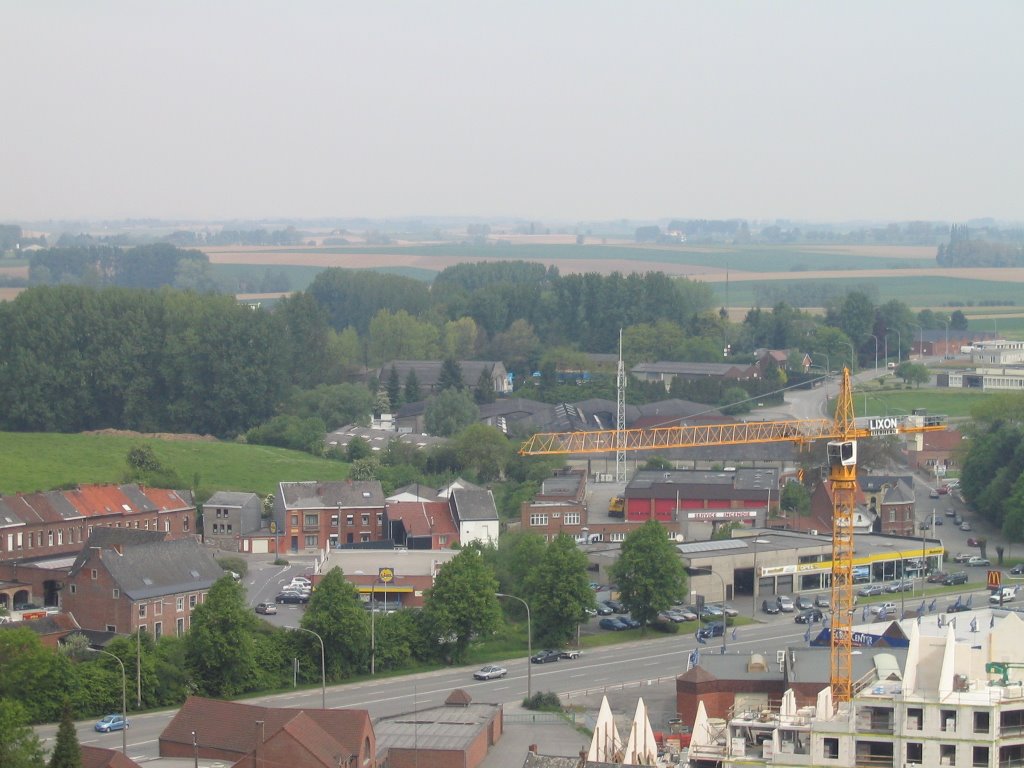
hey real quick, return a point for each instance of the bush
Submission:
(236, 564)
(665, 626)
(545, 701)
(280, 561)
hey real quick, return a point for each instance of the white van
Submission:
(1003, 594)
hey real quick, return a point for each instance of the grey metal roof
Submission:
(162, 568)
(322, 494)
(901, 493)
(230, 499)
(445, 727)
(698, 369)
(104, 537)
(474, 504)
(379, 438)
(716, 545)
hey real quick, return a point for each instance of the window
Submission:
(49, 538)
(364, 537)
(192, 601)
(184, 523)
(380, 519)
(74, 589)
(116, 593)
(947, 754)
(365, 518)
(979, 758)
(831, 748)
(892, 515)
(915, 718)
(947, 720)
(158, 630)
(572, 518)
(180, 627)
(142, 610)
(348, 519)
(60, 536)
(167, 526)
(442, 540)
(158, 608)
(111, 628)
(538, 519)
(181, 604)
(311, 521)
(94, 574)
(311, 541)
(295, 521)
(229, 528)
(334, 521)
(981, 722)
(915, 752)
(612, 537)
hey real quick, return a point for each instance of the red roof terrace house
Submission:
(316, 516)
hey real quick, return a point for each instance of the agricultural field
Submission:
(41, 461)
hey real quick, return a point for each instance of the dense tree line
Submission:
(286, 236)
(144, 266)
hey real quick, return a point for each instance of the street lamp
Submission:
(853, 354)
(753, 607)
(876, 350)
(124, 698)
(920, 339)
(712, 572)
(945, 352)
(899, 344)
(529, 643)
(323, 669)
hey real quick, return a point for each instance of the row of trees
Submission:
(228, 651)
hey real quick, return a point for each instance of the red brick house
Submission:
(249, 736)
(315, 516)
(935, 449)
(37, 525)
(421, 524)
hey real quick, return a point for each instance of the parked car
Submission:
(616, 606)
(545, 656)
(976, 561)
(810, 616)
(900, 586)
(630, 622)
(687, 613)
(1018, 569)
(112, 723)
(950, 512)
(611, 623)
(823, 601)
(266, 608)
(972, 542)
(943, 489)
(715, 629)
(769, 606)
(925, 524)
(933, 493)
(728, 610)
(590, 611)
(673, 616)
(957, 520)
(709, 612)
(603, 609)
(869, 590)
(571, 653)
(490, 672)
(785, 603)
(884, 608)
(965, 526)
(962, 557)
(938, 521)
(302, 581)
(960, 577)
(803, 603)
(936, 577)
(295, 598)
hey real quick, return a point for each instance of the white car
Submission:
(886, 608)
(490, 672)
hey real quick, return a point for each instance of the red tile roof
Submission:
(98, 757)
(423, 518)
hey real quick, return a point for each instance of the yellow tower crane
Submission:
(842, 432)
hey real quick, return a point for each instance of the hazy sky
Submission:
(553, 109)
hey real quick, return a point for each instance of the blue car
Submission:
(613, 624)
(111, 723)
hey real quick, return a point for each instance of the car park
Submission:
(965, 526)
(785, 603)
(810, 616)
(571, 653)
(823, 601)
(268, 609)
(112, 723)
(490, 672)
(715, 629)
(612, 624)
(936, 577)
(868, 590)
(545, 656)
(976, 561)
(960, 577)
(803, 603)
(769, 607)
(293, 598)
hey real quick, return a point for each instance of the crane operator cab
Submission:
(842, 453)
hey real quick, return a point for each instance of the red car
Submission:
(973, 543)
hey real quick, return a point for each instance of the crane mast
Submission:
(842, 432)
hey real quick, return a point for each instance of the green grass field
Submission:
(41, 461)
(955, 403)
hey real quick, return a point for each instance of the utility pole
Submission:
(620, 418)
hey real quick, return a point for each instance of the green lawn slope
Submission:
(41, 461)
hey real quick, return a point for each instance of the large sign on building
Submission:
(722, 514)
